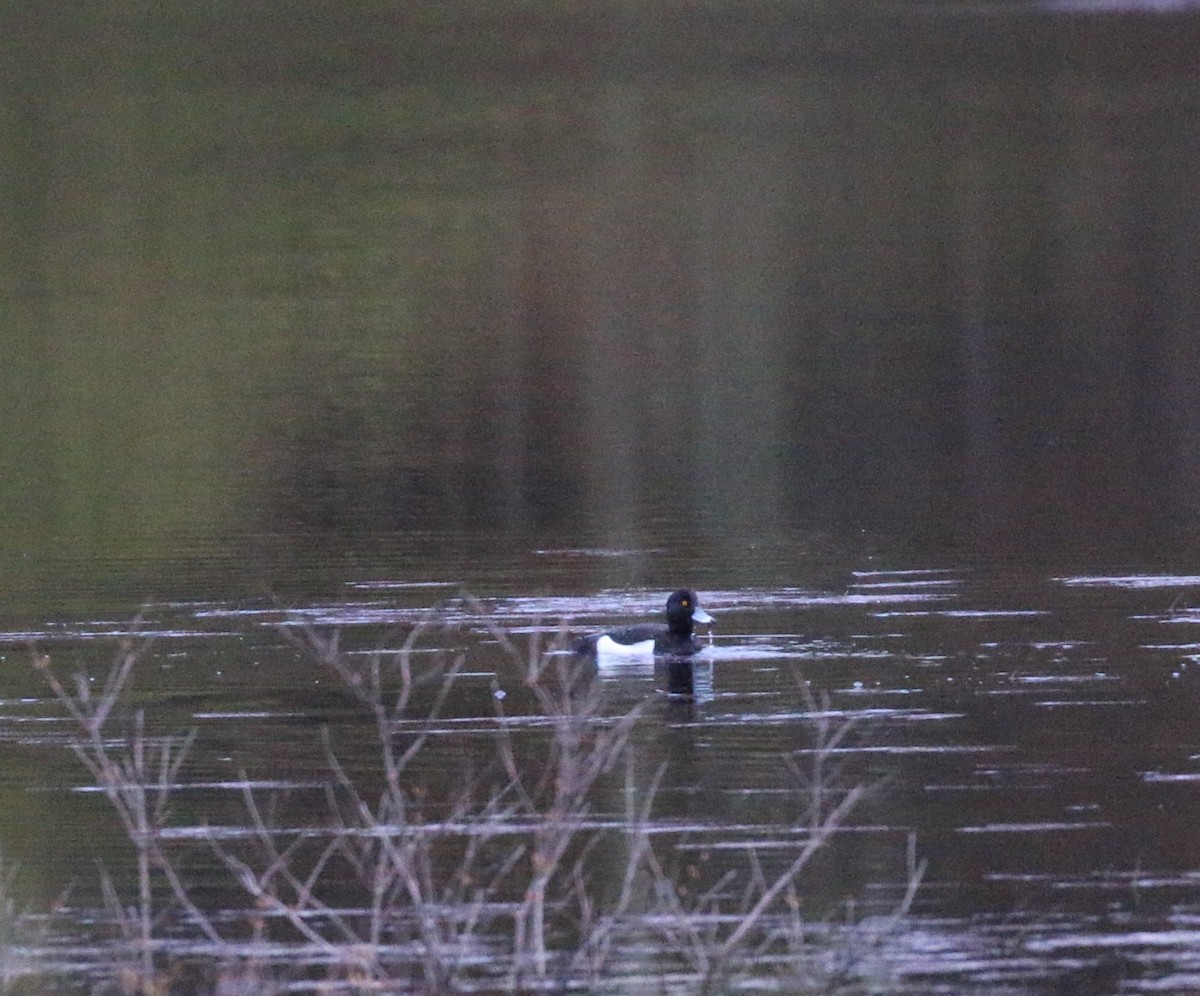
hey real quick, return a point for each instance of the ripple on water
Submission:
(972, 743)
(1130, 581)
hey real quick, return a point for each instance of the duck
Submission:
(674, 639)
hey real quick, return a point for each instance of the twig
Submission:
(811, 846)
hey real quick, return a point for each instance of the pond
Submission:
(410, 342)
(1016, 754)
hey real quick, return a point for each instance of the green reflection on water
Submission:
(383, 276)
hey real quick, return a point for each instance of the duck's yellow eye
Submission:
(685, 603)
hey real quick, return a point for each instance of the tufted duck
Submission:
(683, 611)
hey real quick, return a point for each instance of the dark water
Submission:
(874, 325)
(1032, 735)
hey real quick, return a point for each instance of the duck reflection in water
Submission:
(671, 646)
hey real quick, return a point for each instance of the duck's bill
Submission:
(700, 616)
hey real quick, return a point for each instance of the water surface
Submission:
(1033, 735)
(874, 325)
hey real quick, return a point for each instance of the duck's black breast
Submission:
(676, 645)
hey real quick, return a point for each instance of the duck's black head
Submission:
(683, 610)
